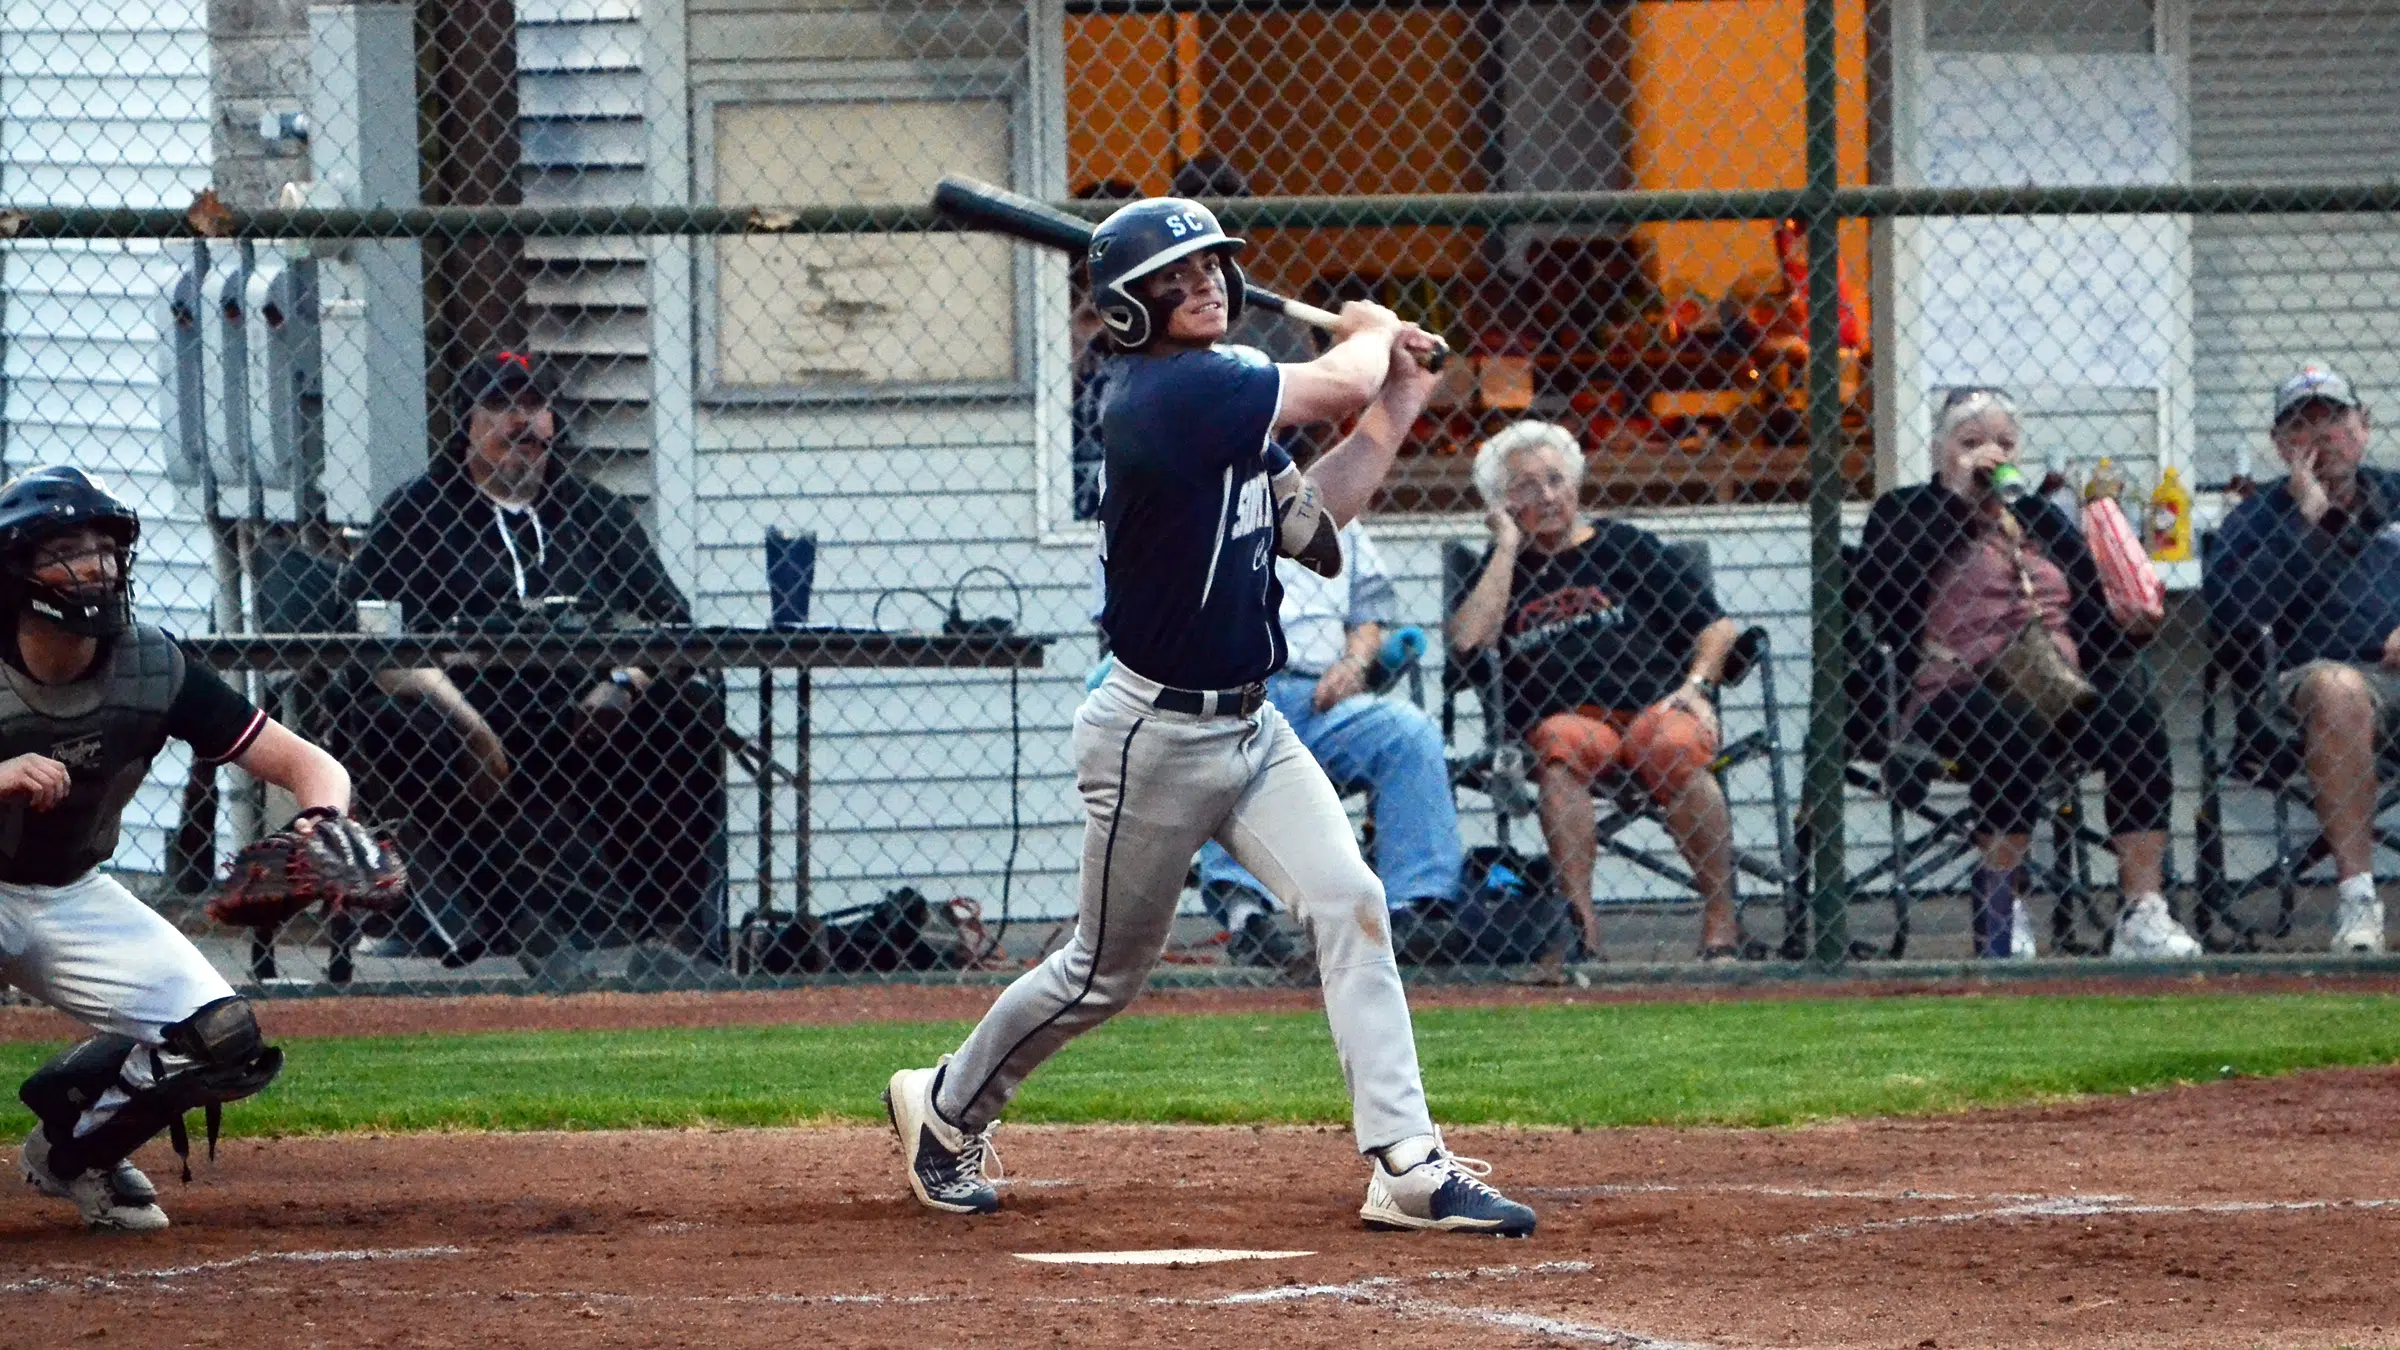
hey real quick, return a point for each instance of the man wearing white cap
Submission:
(2315, 558)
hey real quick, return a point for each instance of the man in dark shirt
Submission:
(554, 804)
(2315, 559)
(87, 698)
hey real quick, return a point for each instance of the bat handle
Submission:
(1321, 318)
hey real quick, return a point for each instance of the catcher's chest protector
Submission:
(105, 729)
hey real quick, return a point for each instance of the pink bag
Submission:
(2137, 599)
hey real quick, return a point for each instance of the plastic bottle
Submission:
(2168, 529)
(2106, 481)
(2060, 491)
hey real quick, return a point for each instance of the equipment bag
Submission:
(1507, 912)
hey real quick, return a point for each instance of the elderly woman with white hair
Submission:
(1610, 648)
(1953, 573)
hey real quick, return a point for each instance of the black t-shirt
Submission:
(105, 727)
(1187, 517)
(1609, 624)
(207, 714)
(211, 716)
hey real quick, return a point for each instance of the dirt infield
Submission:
(2245, 1213)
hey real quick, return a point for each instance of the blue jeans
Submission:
(1395, 749)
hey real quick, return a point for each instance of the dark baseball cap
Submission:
(500, 376)
(2314, 384)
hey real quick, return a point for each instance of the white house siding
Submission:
(104, 106)
(580, 105)
(910, 770)
(2284, 92)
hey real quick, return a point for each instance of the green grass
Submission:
(1767, 1063)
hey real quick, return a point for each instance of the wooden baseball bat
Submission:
(981, 206)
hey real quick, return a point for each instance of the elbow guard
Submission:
(1304, 529)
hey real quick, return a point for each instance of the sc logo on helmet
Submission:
(1186, 223)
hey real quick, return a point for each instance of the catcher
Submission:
(87, 698)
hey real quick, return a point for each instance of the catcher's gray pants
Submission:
(1156, 785)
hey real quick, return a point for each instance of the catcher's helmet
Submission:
(41, 505)
(1140, 239)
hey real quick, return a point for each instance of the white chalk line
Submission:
(1790, 1192)
(45, 1284)
(2086, 1206)
(1378, 1291)
(2003, 1206)
(1384, 1292)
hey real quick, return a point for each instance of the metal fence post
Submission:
(1821, 789)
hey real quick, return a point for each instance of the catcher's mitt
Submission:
(321, 855)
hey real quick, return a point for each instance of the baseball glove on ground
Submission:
(321, 855)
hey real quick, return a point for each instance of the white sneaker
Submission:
(949, 1169)
(2148, 932)
(2020, 934)
(120, 1200)
(2358, 926)
(1446, 1193)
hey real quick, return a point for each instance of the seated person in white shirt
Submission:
(1335, 628)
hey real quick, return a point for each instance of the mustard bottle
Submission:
(2168, 530)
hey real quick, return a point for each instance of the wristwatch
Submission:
(1703, 684)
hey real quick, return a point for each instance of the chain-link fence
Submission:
(571, 416)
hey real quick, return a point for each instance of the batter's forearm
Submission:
(1352, 473)
(1337, 384)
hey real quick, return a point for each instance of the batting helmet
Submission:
(1142, 238)
(41, 505)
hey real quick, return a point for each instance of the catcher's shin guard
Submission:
(214, 1056)
(73, 1082)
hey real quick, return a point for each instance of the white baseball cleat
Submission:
(2148, 932)
(2357, 926)
(120, 1200)
(946, 1165)
(1445, 1193)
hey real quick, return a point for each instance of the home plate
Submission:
(1161, 1256)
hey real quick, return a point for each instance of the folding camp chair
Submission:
(2267, 755)
(1932, 847)
(1498, 770)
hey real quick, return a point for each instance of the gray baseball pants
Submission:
(1156, 785)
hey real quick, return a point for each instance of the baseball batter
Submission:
(86, 699)
(1178, 744)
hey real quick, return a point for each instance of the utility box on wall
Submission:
(363, 118)
(241, 384)
(182, 399)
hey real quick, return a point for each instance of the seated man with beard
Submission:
(548, 807)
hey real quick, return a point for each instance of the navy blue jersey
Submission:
(1187, 518)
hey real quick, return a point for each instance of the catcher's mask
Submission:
(1142, 238)
(87, 590)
